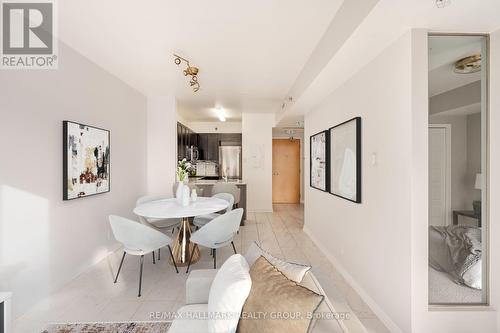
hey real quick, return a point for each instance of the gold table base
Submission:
(182, 247)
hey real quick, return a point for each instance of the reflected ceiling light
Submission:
(190, 70)
(468, 65)
(443, 3)
(220, 113)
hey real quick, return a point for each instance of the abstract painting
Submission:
(345, 160)
(319, 161)
(86, 160)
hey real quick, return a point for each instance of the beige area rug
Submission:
(133, 327)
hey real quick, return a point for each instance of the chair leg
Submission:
(120, 268)
(159, 254)
(140, 275)
(154, 261)
(234, 249)
(215, 258)
(173, 260)
(191, 258)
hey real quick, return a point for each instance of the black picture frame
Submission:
(65, 140)
(357, 172)
(327, 160)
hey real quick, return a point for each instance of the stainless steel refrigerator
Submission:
(230, 162)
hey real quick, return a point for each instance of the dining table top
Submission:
(171, 208)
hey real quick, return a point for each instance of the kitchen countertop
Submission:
(206, 185)
(198, 181)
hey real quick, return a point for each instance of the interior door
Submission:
(286, 171)
(439, 187)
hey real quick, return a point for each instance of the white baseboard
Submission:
(352, 282)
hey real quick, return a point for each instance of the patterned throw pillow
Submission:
(275, 303)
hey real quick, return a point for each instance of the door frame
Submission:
(447, 128)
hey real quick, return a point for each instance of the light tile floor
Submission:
(93, 297)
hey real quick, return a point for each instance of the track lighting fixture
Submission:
(190, 70)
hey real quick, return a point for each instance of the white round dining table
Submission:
(171, 209)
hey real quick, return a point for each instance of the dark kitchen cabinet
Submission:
(213, 147)
(202, 146)
(230, 139)
(207, 143)
(180, 149)
(209, 146)
(185, 138)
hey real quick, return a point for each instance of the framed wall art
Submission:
(345, 160)
(86, 160)
(319, 169)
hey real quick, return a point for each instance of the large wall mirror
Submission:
(458, 123)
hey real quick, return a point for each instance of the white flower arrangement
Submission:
(184, 170)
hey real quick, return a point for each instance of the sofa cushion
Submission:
(277, 304)
(228, 293)
(293, 271)
(191, 318)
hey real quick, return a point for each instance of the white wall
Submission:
(438, 320)
(370, 242)
(214, 127)
(257, 136)
(45, 241)
(381, 246)
(473, 156)
(161, 144)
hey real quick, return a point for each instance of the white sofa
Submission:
(193, 316)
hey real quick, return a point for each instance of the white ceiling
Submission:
(384, 24)
(249, 52)
(461, 111)
(443, 53)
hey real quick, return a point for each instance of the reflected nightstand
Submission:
(466, 213)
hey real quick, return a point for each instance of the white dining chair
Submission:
(200, 221)
(227, 188)
(138, 240)
(217, 233)
(158, 224)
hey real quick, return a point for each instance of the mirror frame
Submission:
(485, 193)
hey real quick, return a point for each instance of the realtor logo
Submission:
(28, 35)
